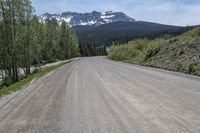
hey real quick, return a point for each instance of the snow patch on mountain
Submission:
(66, 19)
(88, 23)
(106, 17)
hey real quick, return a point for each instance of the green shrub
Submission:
(192, 68)
(180, 67)
(120, 53)
(140, 44)
(150, 53)
(35, 71)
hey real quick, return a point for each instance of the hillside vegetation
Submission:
(180, 53)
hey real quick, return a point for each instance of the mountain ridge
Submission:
(92, 18)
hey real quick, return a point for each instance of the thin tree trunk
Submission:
(7, 60)
(28, 71)
(13, 29)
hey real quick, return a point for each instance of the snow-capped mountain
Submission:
(93, 18)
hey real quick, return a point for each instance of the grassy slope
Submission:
(23, 82)
(181, 53)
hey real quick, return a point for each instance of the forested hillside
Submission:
(180, 53)
(121, 32)
(25, 41)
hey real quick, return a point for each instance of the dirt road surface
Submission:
(96, 95)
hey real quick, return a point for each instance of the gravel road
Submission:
(96, 95)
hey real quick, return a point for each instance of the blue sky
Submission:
(175, 12)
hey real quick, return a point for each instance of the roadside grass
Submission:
(35, 75)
